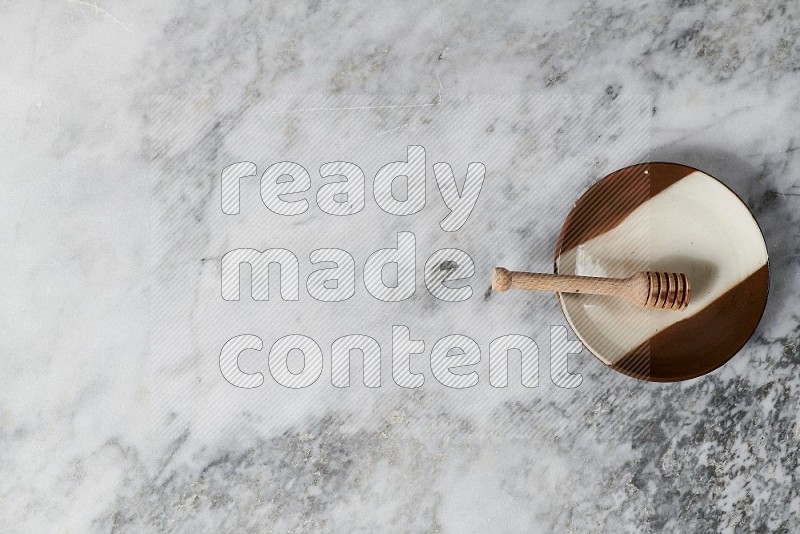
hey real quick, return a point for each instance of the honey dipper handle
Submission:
(504, 279)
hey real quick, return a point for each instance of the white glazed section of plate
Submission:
(696, 226)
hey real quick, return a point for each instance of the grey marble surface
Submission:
(117, 120)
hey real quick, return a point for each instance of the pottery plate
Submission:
(670, 218)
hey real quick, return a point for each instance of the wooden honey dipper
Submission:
(669, 291)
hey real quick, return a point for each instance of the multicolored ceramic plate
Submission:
(670, 218)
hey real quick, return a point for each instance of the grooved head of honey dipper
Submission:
(667, 291)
